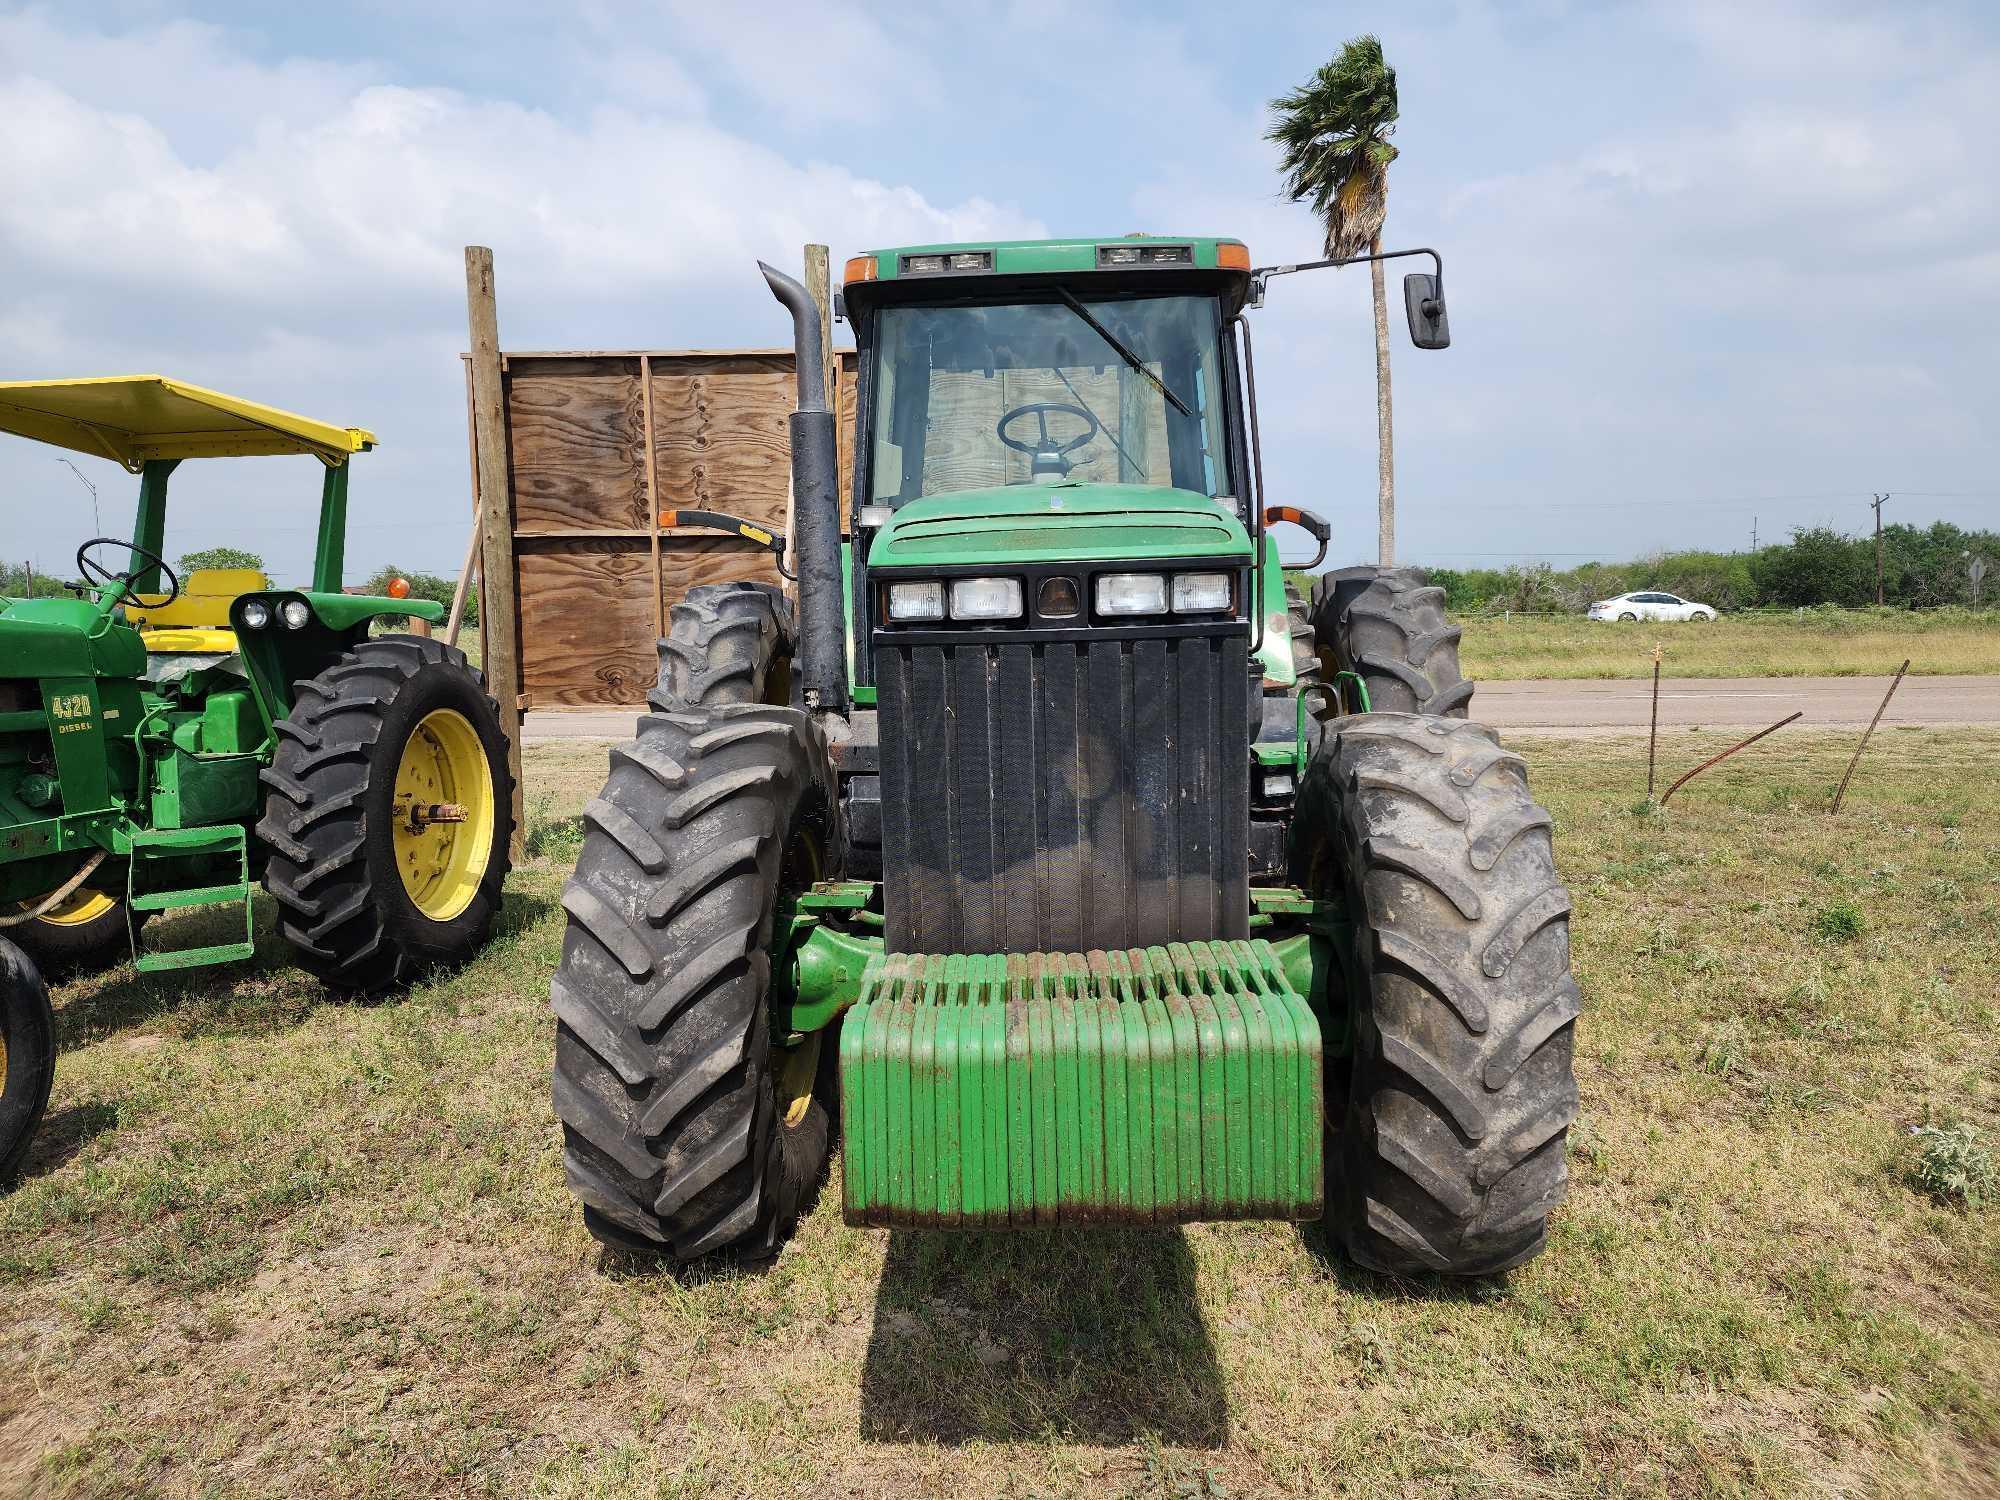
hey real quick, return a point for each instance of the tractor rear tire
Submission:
(27, 1054)
(369, 897)
(88, 931)
(1448, 1124)
(726, 643)
(1391, 631)
(674, 1137)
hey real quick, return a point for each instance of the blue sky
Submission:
(1707, 261)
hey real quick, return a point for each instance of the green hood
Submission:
(1058, 523)
(53, 638)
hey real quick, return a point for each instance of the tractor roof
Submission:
(133, 418)
(1131, 252)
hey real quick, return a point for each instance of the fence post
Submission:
(1867, 733)
(1653, 737)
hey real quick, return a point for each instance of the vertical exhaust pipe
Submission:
(822, 649)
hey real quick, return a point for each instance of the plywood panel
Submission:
(578, 451)
(576, 439)
(586, 622)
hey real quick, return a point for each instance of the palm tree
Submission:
(1334, 130)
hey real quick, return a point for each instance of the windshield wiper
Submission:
(1123, 353)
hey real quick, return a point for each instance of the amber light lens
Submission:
(1058, 599)
(860, 268)
(1232, 257)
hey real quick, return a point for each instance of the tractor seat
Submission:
(197, 622)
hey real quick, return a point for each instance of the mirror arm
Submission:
(1260, 277)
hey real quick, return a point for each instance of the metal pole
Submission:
(1867, 733)
(1713, 759)
(1878, 503)
(1653, 738)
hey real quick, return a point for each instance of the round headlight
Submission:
(296, 614)
(256, 614)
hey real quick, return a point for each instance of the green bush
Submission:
(423, 586)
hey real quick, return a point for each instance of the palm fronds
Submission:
(1334, 133)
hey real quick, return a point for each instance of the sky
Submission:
(1710, 263)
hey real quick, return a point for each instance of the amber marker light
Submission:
(862, 268)
(1232, 257)
(399, 588)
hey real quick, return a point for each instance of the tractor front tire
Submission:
(376, 881)
(87, 931)
(27, 1054)
(1448, 1123)
(675, 1138)
(1388, 627)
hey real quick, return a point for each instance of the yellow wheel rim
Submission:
(78, 908)
(443, 773)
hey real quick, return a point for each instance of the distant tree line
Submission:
(1922, 568)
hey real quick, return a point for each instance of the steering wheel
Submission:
(94, 571)
(1048, 454)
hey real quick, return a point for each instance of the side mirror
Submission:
(1423, 301)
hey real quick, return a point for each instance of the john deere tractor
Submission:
(165, 741)
(1080, 869)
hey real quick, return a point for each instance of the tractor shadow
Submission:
(1086, 1336)
(60, 1136)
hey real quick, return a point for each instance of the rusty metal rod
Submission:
(1653, 737)
(1669, 792)
(1869, 732)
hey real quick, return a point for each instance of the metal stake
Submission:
(1741, 744)
(1869, 731)
(1653, 738)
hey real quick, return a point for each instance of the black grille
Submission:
(1063, 797)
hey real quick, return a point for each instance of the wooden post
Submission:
(457, 616)
(652, 493)
(499, 623)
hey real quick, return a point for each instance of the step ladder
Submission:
(155, 847)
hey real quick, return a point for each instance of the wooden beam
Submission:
(652, 492)
(500, 621)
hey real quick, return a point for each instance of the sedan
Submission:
(1653, 606)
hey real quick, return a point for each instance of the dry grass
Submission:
(1812, 643)
(269, 1245)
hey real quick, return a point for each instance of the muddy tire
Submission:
(367, 897)
(27, 1055)
(665, 1075)
(85, 933)
(1448, 1126)
(1388, 626)
(725, 644)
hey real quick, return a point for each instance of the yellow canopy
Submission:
(132, 418)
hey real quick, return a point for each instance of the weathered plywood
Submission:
(587, 487)
(577, 438)
(586, 621)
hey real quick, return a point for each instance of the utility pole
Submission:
(1753, 533)
(1878, 502)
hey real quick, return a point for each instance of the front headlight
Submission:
(256, 614)
(295, 613)
(1200, 593)
(986, 598)
(916, 601)
(1131, 594)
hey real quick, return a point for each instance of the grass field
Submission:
(269, 1245)
(1814, 643)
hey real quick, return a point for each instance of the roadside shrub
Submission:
(1955, 1166)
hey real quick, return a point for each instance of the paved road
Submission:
(1589, 708)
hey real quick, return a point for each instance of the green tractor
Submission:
(166, 741)
(1050, 847)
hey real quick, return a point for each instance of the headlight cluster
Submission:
(294, 613)
(983, 600)
(1159, 594)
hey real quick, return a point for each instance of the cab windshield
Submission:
(1109, 390)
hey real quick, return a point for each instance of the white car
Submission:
(1650, 606)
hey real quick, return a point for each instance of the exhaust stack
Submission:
(822, 658)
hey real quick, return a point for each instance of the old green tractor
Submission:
(164, 742)
(1047, 842)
